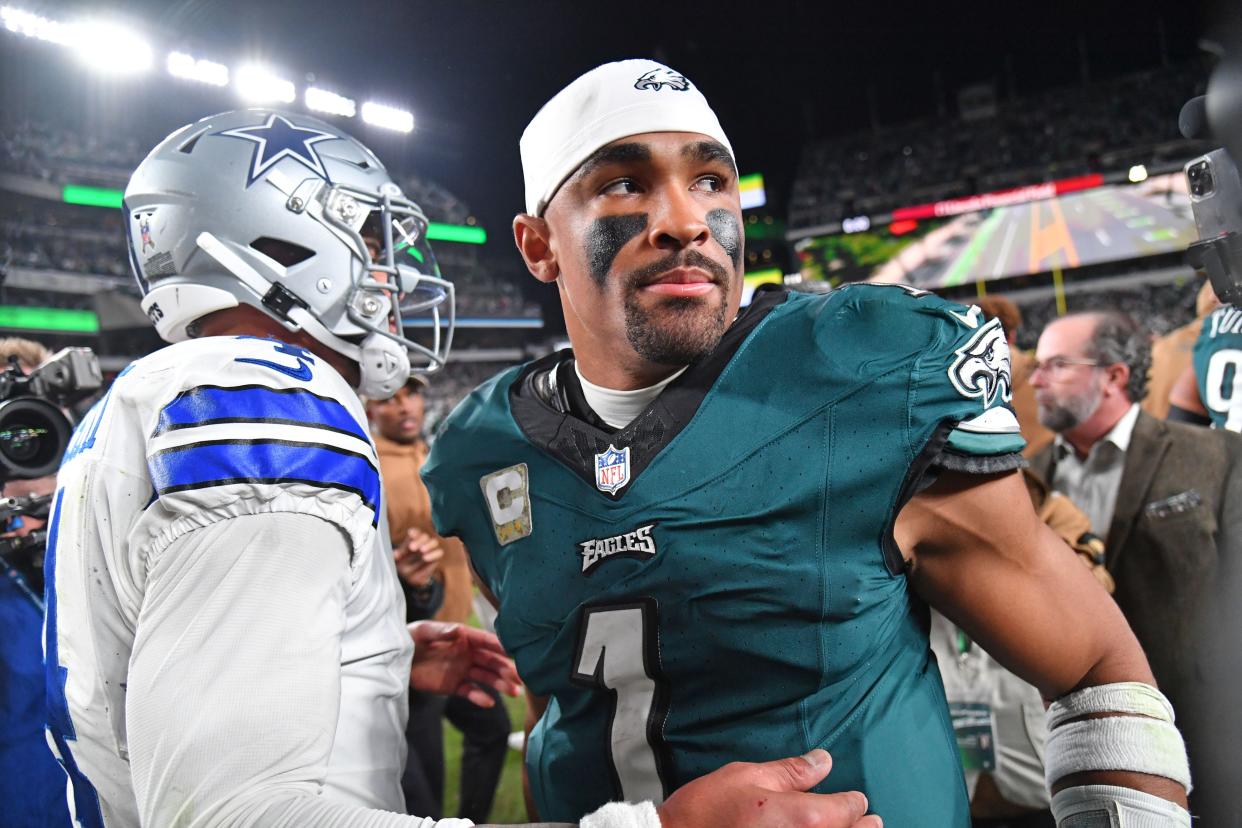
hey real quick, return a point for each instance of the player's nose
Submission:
(679, 222)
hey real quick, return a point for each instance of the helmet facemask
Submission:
(401, 282)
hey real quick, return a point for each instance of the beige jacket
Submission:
(409, 506)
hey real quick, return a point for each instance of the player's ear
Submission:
(531, 234)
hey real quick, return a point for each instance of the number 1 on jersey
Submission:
(618, 650)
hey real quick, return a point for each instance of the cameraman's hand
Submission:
(767, 795)
(417, 557)
(27, 488)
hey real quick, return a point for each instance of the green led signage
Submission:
(49, 319)
(91, 196)
(456, 233)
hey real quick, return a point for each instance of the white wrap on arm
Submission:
(1126, 726)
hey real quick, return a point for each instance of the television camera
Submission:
(34, 434)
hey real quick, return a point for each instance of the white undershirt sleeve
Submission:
(234, 682)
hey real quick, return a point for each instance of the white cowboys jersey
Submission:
(196, 438)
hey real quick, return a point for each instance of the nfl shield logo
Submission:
(612, 469)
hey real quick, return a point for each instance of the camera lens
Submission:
(33, 437)
(1199, 176)
(21, 442)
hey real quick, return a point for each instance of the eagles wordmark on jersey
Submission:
(729, 589)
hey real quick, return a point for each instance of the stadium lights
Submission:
(111, 48)
(321, 100)
(104, 46)
(387, 117)
(1138, 173)
(259, 85)
(181, 65)
(855, 224)
(32, 25)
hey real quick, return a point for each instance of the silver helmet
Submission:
(276, 210)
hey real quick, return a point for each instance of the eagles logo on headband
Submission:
(610, 102)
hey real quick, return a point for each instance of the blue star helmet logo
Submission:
(280, 138)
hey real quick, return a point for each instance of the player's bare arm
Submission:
(978, 553)
(1185, 393)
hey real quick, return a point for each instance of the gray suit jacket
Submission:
(1176, 528)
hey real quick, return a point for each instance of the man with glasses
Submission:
(1167, 497)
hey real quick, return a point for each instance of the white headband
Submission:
(612, 101)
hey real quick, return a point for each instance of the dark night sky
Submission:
(475, 71)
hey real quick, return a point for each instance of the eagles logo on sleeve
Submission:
(982, 366)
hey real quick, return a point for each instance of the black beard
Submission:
(671, 343)
(691, 333)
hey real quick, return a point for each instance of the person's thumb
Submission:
(798, 773)
(427, 632)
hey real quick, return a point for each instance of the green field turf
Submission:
(509, 806)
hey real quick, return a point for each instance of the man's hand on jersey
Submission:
(453, 659)
(417, 557)
(749, 795)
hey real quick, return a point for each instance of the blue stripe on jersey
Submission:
(211, 404)
(85, 797)
(220, 462)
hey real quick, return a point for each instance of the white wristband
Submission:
(1109, 806)
(622, 815)
(1123, 743)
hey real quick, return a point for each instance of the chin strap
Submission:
(384, 365)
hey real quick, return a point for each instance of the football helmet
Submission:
(292, 216)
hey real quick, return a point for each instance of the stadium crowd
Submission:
(63, 156)
(80, 240)
(1103, 126)
(1158, 308)
(90, 241)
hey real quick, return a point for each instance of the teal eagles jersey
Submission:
(1218, 358)
(717, 581)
